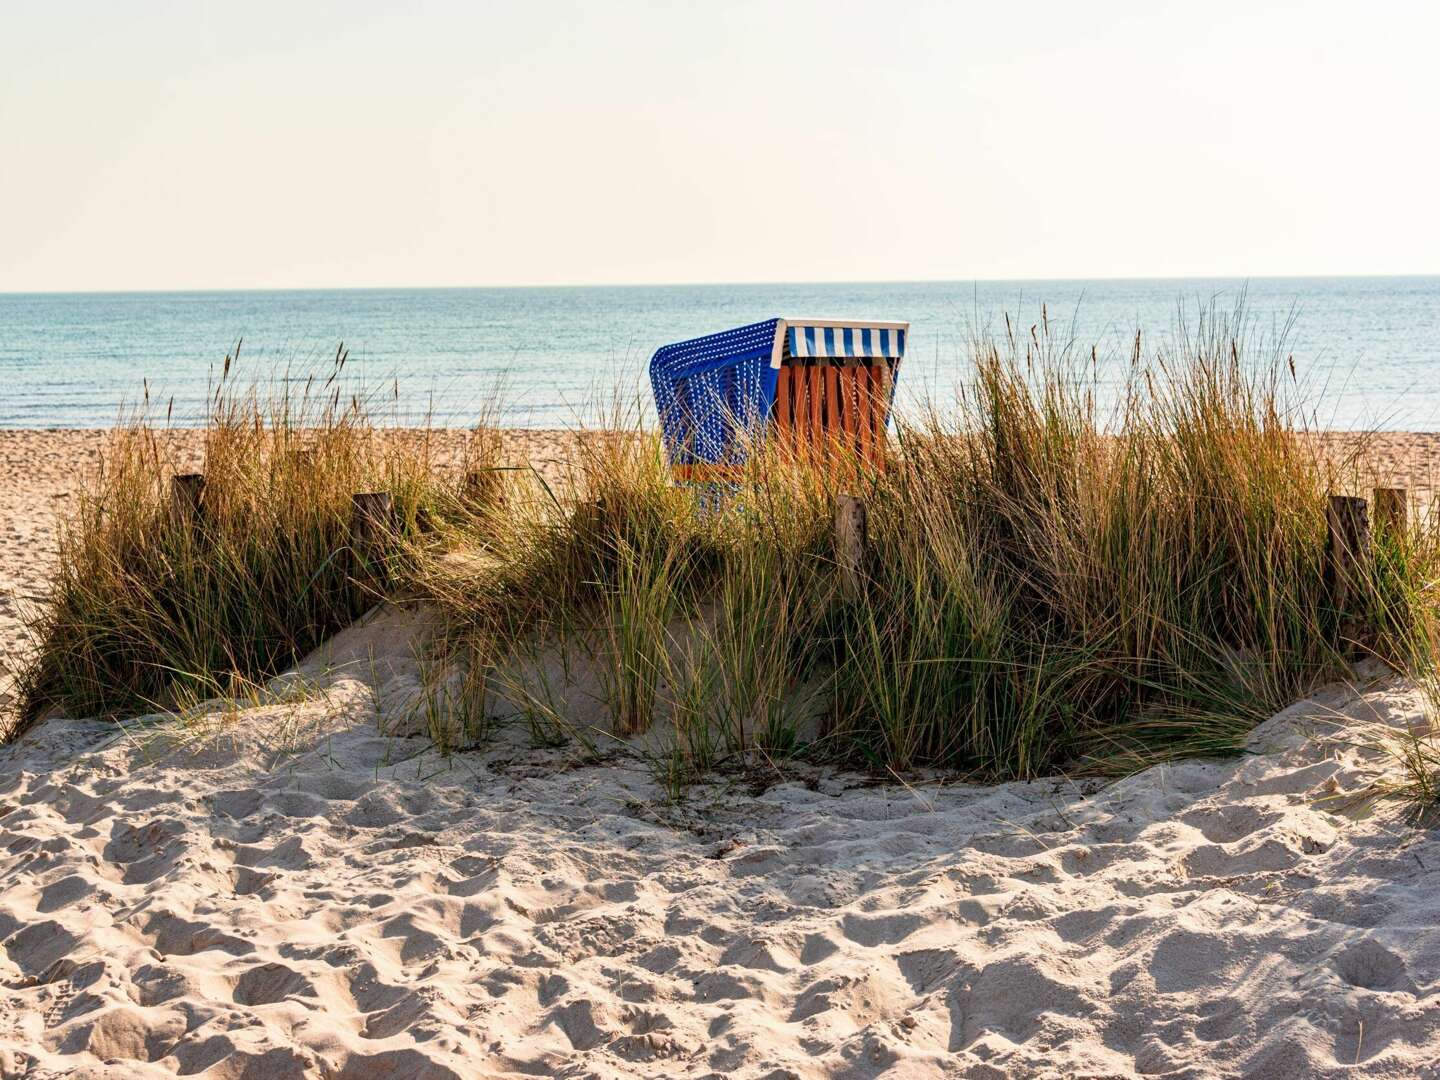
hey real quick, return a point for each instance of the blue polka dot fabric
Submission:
(715, 393)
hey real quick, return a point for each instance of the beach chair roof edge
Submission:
(807, 337)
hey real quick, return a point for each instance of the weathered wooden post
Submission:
(372, 520)
(372, 535)
(852, 542)
(1392, 511)
(1347, 522)
(187, 498)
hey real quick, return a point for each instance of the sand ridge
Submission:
(293, 889)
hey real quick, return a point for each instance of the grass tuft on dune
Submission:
(151, 605)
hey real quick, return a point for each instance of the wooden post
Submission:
(372, 520)
(187, 497)
(372, 532)
(852, 541)
(1347, 521)
(1392, 511)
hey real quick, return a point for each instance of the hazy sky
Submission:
(193, 144)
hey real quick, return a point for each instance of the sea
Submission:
(1366, 350)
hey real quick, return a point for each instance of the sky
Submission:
(295, 144)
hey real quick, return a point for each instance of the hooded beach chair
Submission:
(819, 387)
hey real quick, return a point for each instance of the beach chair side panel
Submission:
(714, 395)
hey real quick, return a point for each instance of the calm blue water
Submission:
(72, 359)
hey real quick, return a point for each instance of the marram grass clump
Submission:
(1052, 584)
(154, 602)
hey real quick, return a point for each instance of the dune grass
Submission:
(151, 605)
(1052, 584)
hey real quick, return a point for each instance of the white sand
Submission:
(282, 890)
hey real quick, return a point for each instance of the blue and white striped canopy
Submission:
(713, 391)
(882, 341)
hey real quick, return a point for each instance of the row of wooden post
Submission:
(1347, 553)
(373, 529)
(372, 513)
(1347, 520)
(373, 526)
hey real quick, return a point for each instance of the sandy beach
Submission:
(298, 885)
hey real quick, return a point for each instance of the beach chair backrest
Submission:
(819, 386)
(836, 384)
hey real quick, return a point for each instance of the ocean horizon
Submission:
(1365, 348)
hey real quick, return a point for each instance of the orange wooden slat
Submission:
(815, 437)
(832, 408)
(822, 434)
(865, 419)
(881, 385)
(782, 425)
(850, 393)
(799, 409)
(802, 409)
(883, 374)
(880, 393)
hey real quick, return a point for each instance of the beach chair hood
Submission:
(715, 393)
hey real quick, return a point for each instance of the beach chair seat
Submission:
(821, 388)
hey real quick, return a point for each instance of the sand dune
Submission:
(293, 887)
(286, 890)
